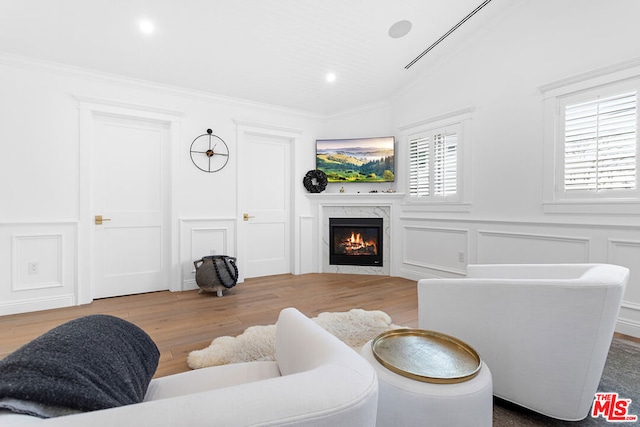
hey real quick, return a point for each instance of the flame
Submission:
(356, 243)
(356, 239)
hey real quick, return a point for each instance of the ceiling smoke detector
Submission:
(400, 29)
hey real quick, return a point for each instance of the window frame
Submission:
(589, 86)
(460, 121)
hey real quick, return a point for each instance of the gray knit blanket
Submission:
(94, 362)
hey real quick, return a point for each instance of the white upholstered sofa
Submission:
(543, 330)
(317, 380)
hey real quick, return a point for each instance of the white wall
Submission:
(40, 174)
(499, 75)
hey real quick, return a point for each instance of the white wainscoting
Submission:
(306, 247)
(626, 252)
(434, 247)
(38, 266)
(204, 237)
(498, 247)
(28, 250)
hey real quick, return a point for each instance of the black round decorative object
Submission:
(315, 181)
(209, 152)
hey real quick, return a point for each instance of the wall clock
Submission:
(209, 152)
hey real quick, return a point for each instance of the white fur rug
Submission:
(257, 343)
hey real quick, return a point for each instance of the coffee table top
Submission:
(427, 356)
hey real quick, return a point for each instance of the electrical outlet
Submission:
(33, 267)
(461, 257)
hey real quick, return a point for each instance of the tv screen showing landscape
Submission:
(356, 159)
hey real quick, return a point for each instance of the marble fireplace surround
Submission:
(356, 206)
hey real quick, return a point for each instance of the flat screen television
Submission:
(357, 159)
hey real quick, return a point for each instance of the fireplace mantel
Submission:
(351, 199)
(371, 205)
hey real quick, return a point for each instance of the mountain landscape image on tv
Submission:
(356, 159)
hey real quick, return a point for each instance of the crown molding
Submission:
(85, 73)
(379, 105)
(607, 74)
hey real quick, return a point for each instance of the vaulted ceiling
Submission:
(269, 51)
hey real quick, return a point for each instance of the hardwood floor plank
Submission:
(180, 322)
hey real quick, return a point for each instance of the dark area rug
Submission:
(621, 375)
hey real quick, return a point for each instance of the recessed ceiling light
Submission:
(400, 29)
(146, 26)
(331, 77)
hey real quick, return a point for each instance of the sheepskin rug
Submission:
(257, 343)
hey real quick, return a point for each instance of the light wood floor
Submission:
(180, 322)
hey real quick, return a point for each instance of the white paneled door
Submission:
(264, 203)
(130, 181)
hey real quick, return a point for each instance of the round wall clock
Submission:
(209, 152)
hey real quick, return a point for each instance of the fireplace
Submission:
(355, 241)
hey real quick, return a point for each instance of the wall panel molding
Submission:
(50, 249)
(626, 252)
(567, 222)
(495, 247)
(435, 248)
(217, 238)
(306, 245)
(200, 237)
(37, 261)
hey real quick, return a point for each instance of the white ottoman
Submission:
(407, 402)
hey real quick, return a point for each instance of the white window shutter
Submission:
(445, 164)
(600, 144)
(433, 165)
(419, 167)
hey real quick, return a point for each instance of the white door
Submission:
(264, 203)
(130, 180)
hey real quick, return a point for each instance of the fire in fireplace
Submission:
(355, 241)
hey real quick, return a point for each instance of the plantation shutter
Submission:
(433, 165)
(600, 144)
(445, 161)
(419, 167)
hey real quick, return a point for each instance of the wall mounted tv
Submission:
(357, 159)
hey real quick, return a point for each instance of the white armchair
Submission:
(317, 380)
(543, 330)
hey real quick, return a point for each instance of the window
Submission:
(600, 145)
(438, 150)
(591, 142)
(433, 164)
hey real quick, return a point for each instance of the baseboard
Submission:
(36, 304)
(628, 327)
(415, 275)
(189, 285)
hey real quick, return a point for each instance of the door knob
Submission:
(99, 219)
(247, 216)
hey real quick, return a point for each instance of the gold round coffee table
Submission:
(426, 356)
